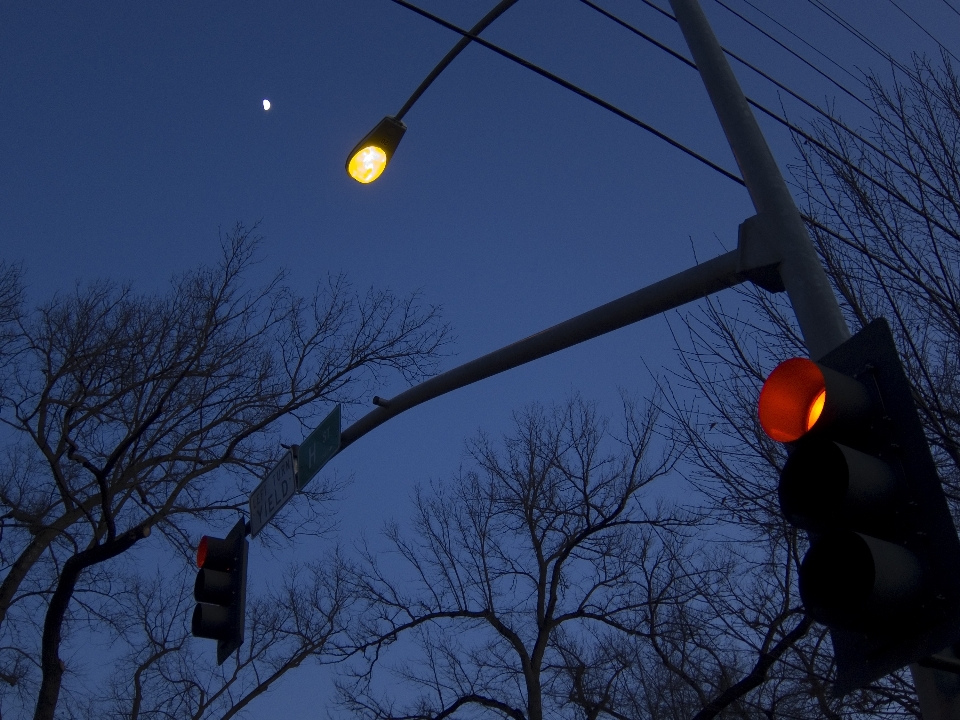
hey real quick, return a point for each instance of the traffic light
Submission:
(220, 590)
(882, 568)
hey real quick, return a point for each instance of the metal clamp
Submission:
(757, 258)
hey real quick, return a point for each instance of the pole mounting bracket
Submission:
(757, 257)
(941, 661)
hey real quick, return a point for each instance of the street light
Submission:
(370, 156)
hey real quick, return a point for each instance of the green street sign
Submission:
(316, 451)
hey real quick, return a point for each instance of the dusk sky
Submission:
(131, 134)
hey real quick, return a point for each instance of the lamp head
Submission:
(371, 155)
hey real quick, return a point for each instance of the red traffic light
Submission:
(802, 396)
(792, 399)
(881, 569)
(216, 553)
(202, 551)
(220, 590)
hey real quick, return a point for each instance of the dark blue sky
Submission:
(130, 133)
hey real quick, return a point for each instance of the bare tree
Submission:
(889, 211)
(543, 583)
(11, 307)
(537, 547)
(126, 414)
(697, 655)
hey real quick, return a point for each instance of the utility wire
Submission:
(909, 171)
(803, 40)
(658, 9)
(910, 17)
(945, 2)
(896, 64)
(626, 116)
(794, 128)
(736, 57)
(637, 31)
(850, 28)
(914, 76)
(807, 218)
(778, 42)
(573, 88)
(766, 111)
(816, 108)
(796, 54)
(797, 96)
(813, 106)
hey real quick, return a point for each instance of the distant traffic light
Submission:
(220, 590)
(882, 569)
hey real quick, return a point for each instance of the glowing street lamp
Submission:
(368, 159)
(371, 155)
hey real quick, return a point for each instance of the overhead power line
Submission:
(637, 31)
(896, 64)
(797, 130)
(850, 28)
(617, 111)
(573, 88)
(854, 167)
(658, 9)
(943, 48)
(796, 54)
(947, 3)
(766, 76)
(813, 47)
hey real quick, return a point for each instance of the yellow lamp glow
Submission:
(367, 164)
(370, 156)
(816, 408)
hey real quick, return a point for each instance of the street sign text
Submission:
(272, 494)
(319, 447)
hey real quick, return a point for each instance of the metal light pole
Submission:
(814, 303)
(811, 296)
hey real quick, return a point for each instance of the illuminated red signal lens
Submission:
(792, 399)
(202, 551)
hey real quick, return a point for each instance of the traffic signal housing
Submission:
(220, 590)
(881, 571)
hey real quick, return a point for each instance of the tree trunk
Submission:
(50, 663)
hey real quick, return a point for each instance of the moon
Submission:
(266, 104)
